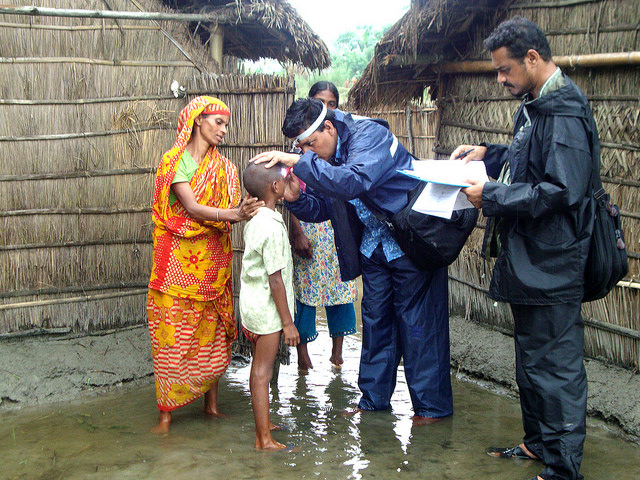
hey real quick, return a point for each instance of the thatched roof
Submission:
(264, 29)
(430, 32)
(435, 37)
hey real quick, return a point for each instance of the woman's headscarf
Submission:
(192, 258)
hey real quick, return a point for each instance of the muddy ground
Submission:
(47, 370)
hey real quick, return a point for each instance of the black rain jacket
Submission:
(546, 212)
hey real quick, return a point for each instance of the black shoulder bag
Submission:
(430, 242)
(607, 261)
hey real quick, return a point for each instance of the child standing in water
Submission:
(266, 292)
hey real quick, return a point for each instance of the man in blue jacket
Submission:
(350, 167)
(541, 219)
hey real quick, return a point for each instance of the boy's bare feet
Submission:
(164, 421)
(269, 444)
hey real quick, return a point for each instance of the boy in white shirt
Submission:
(266, 291)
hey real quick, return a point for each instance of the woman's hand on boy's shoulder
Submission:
(248, 207)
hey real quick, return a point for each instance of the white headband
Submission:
(314, 126)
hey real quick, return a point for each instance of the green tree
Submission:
(350, 54)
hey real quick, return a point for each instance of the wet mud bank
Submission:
(488, 355)
(46, 370)
(42, 370)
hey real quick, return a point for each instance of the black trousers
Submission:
(549, 341)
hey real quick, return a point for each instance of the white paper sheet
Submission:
(437, 199)
(442, 195)
(448, 172)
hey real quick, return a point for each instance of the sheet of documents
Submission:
(442, 196)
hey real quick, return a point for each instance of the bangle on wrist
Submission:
(218, 215)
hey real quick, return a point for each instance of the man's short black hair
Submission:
(257, 178)
(301, 114)
(519, 35)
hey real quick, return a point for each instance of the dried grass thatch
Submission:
(473, 108)
(265, 28)
(433, 32)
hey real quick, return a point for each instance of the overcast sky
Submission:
(329, 18)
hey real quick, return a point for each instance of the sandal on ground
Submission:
(509, 452)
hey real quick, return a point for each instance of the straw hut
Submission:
(438, 46)
(88, 104)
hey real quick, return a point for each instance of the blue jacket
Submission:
(366, 168)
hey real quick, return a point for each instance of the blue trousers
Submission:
(341, 320)
(405, 315)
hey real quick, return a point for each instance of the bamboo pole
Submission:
(409, 130)
(87, 101)
(220, 18)
(479, 128)
(74, 289)
(96, 61)
(427, 137)
(563, 4)
(504, 131)
(73, 211)
(67, 136)
(77, 28)
(67, 332)
(86, 243)
(216, 40)
(83, 298)
(34, 332)
(76, 174)
(572, 61)
(511, 98)
(592, 322)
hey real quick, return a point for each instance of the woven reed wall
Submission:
(475, 108)
(79, 144)
(415, 126)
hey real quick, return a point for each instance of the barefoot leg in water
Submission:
(211, 401)
(304, 361)
(336, 352)
(164, 421)
(264, 355)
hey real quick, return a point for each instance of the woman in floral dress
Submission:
(316, 274)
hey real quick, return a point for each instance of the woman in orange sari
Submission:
(190, 305)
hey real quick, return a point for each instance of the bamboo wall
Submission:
(474, 108)
(85, 114)
(414, 125)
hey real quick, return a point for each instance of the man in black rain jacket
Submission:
(540, 221)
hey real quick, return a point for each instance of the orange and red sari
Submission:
(190, 303)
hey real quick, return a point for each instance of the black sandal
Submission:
(512, 452)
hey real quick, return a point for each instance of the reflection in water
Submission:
(109, 437)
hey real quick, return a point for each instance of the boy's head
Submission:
(264, 183)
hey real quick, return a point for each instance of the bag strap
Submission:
(596, 183)
(379, 214)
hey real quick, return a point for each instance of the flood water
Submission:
(108, 437)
